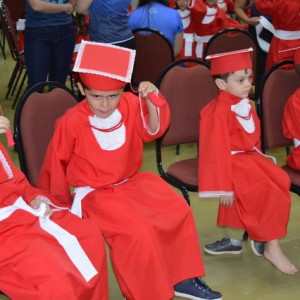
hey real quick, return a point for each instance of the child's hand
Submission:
(145, 88)
(226, 200)
(35, 204)
(4, 124)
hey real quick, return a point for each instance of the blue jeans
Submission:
(48, 53)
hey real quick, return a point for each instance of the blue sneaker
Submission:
(224, 246)
(196, 289)
(258, 247)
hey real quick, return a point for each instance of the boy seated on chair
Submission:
(45, 253)
(253, 190)
(97, 148)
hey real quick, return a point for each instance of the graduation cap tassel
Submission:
(9, 135)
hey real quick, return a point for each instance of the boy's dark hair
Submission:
(145, 2)
(222, 76)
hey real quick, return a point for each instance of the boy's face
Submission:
(238, 83)
(102, 103)
(182, 4)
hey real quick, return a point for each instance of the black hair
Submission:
(225, 76)
(222, 76)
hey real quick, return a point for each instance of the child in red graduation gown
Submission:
(97, 148)
(45, 254)
(215, 19)
(285, 19)
(189, 44)
(291, 119)
(254, 191)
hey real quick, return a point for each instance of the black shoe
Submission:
(196, 289)
(225, 246)
(258, 247)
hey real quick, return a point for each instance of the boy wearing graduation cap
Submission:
(291, 118)
(97, 148)
(253, 190)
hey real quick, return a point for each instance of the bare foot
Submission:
(274, 254)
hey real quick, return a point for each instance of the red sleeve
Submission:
(198, 10)
(230, 6)
(163, 110)
(265, 7)
(215, 178)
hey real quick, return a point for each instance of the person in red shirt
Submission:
(97, 148)
(189, 44)
(214, 20)
(253, 190)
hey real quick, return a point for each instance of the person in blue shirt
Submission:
(108, 21)
(49, 40)
(158, 15)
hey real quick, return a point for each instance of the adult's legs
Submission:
(61, 53)
(37, 53)
(48, 50)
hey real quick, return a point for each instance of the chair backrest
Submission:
(16, 8)
(187, 90)
(10, 31)
(34, 121)
(277, 85)
(232, 39)
(154, 53)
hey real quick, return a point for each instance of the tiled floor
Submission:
(243, 276)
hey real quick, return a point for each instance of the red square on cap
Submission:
(231, 61)
(106, 60)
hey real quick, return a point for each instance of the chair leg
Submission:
(2, 45)
(12, 80)
(245, 236)
(177, 149)
(20, 71)
(186, 195)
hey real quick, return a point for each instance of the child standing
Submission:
(189, 45)
(214, 20)
(253, 191)
(97, 148)
(291, 120)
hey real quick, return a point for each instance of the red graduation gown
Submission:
(33, 265)
(150, 229)
(285, 17)
(205, 29)
(260, 187)
(291, 127)
(189, 44)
